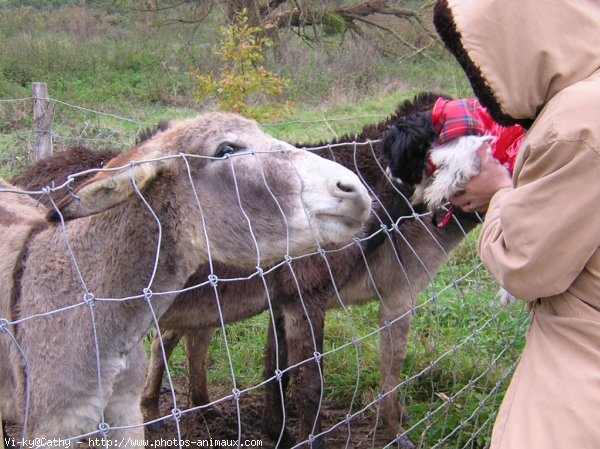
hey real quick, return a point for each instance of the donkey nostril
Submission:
(347, 188)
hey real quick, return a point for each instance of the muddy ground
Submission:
(223, 424)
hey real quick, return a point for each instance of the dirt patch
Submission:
(222, 423)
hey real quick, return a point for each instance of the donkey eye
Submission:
(227, 148)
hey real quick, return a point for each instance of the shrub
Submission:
(244, 85)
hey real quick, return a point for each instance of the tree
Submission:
(311, 19)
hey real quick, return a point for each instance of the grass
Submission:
(116, 60)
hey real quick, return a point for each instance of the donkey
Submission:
(88, 281)
(402, 260)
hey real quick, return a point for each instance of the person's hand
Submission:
(478, 192)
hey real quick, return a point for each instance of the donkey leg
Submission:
(274, 401)
(50, 415)
(151, 393)
(392, 355)
(301, 323)
(196, 346)
(123, 408)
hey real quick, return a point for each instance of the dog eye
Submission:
(227, 148)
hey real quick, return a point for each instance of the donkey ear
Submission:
(105, 190)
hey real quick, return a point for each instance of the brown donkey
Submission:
(213, 187)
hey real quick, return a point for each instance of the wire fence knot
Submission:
(4, 324)
(278, 375)
(147, 294)
(71, 187)
(213, 279)
(318, 356)
(89, 299)
(103, 428)
(176, 414)
(236, 394)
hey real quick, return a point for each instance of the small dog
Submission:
(435, 150)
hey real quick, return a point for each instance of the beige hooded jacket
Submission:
(537, 62)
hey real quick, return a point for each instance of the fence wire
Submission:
(414, 351)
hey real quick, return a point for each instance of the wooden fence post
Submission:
(43, 114)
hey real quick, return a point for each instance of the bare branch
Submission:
(393, 33)
(302, 17)
(157, 8)
(271, 6)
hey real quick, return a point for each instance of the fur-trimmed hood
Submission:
(518, 54)
(538, 60)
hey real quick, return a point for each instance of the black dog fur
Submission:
(407, 142)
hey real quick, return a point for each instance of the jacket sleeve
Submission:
(538, 237)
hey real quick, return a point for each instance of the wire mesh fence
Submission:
(413, 351)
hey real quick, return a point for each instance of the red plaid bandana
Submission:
(466, 117)
(458, 118)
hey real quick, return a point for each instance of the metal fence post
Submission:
(43, 114)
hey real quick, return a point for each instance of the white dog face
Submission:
(455, 163)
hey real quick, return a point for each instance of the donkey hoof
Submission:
(403, 442)
(317, 443)
(284, 441)
(4, 433)
(158, 427)
(213, 413)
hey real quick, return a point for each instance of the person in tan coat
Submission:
(537, 63)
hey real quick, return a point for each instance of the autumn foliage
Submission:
(243, 84)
